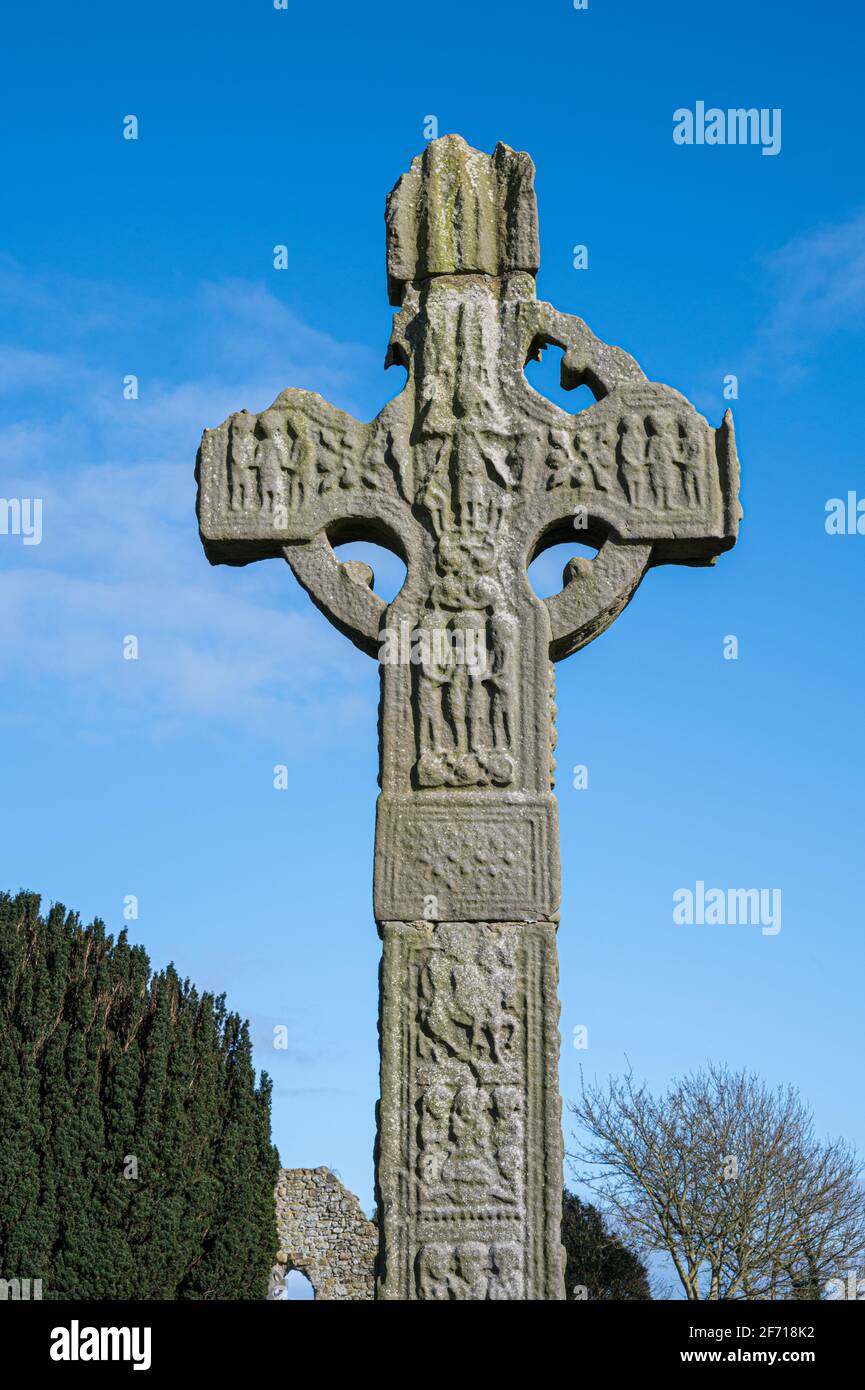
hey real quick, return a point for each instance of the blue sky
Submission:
(154, 257)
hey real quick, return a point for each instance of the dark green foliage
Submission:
(101, 1066)
(597, 1261)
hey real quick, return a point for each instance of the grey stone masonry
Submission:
(468, 474)
(324, 1234)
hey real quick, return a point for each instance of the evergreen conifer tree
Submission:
(135, 1151)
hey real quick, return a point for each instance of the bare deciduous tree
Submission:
(727, 1176)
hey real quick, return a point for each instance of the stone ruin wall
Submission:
(324, 1234)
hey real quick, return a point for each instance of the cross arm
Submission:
(640, 474)
(292, 482)
(301, 466)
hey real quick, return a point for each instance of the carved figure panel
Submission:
(473, 1011)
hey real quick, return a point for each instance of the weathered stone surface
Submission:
(324, 1234)
(468, 474)
(470, 1139)
(457, 211)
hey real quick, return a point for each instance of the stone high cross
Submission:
(468, 475)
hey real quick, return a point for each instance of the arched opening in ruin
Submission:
(298, 1287)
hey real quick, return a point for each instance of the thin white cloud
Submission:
(201, 654)
(120, 552)
(821, 279)
(817, 289)
(813, 289)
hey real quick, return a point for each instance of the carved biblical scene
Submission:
(274, 472)
(650, 460)
(471, 1270)
(470, 1074)
(465, 696)
(466, 692)
(473, 1116)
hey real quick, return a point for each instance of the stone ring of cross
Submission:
(468, 474)
(594, 592)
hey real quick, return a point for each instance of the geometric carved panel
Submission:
(448, 862)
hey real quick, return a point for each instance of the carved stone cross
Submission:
(468, 475)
